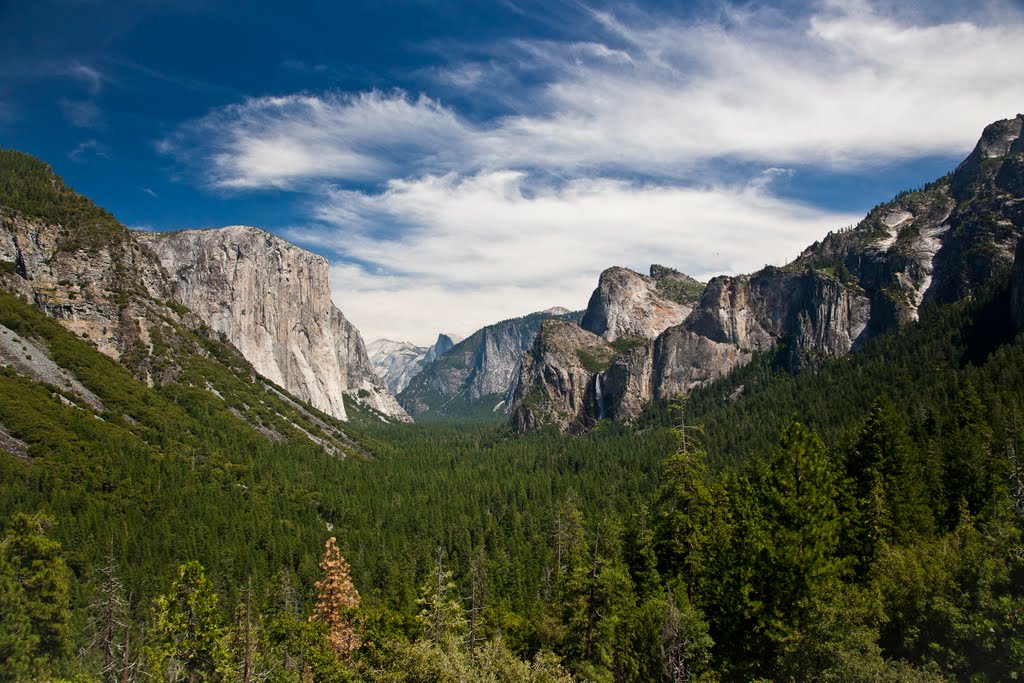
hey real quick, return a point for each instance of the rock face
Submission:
(935, 245)
(559, 380)
(272, 301)
(398, 362)
(105, 291)
(627, 304)
(1017, 289)
(480, 367)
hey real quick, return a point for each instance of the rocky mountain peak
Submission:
(628, 304)
(444, 344)
(999, 155)
(476, 371)
(937, 244)
(397, 363)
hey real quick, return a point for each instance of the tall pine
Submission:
(337, 602)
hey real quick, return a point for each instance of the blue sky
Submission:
(464, 162)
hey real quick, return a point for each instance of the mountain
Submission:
(272, 301)
(475, 375)
(931, 246)
(398, 362)
(140, 298)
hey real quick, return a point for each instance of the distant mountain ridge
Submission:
(476, 374)
(931, 246)
(398, 362)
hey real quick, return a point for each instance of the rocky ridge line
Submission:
(935, 245)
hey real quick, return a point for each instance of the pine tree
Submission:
(888, 485)
(37, 564)
(189, 630)
(17, 639)
(440, 610)
(337, 602)
(686, 505)
(110, 625)
(685, 643)
(802, 520)
(972, 472)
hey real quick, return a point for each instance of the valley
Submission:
(811, 472)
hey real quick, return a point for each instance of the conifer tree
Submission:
(889, 496)
(441, 613)
(686, 504)
(38, 566)
(17, 639)
(685, 643)
(110, 624)
(971, 473)
(802, 529)
(189, 629)
(337, 602)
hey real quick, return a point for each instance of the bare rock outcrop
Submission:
(105, 290)
(628, 304)
(559, 382)
(481, 367)
(272, 301)
(398, 362)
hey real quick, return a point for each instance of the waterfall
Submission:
(599, 397)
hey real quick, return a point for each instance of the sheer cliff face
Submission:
(272, 301)
(557, 383)
(628, 304)
(937, 245)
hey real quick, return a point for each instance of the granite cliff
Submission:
(272, 301)
(81, 267)
(628, 304)
(930, 246)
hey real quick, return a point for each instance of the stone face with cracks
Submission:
(272, 301)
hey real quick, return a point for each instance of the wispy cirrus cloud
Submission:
(608, 150)
(845, 87)
(87, 149)
(477, 249)
(90, 77)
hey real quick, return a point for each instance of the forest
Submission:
(861, 523)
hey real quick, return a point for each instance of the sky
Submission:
(464, 162)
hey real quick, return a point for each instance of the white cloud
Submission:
(482, 248)
(478, 220)
(845, 88)
(281, 141)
